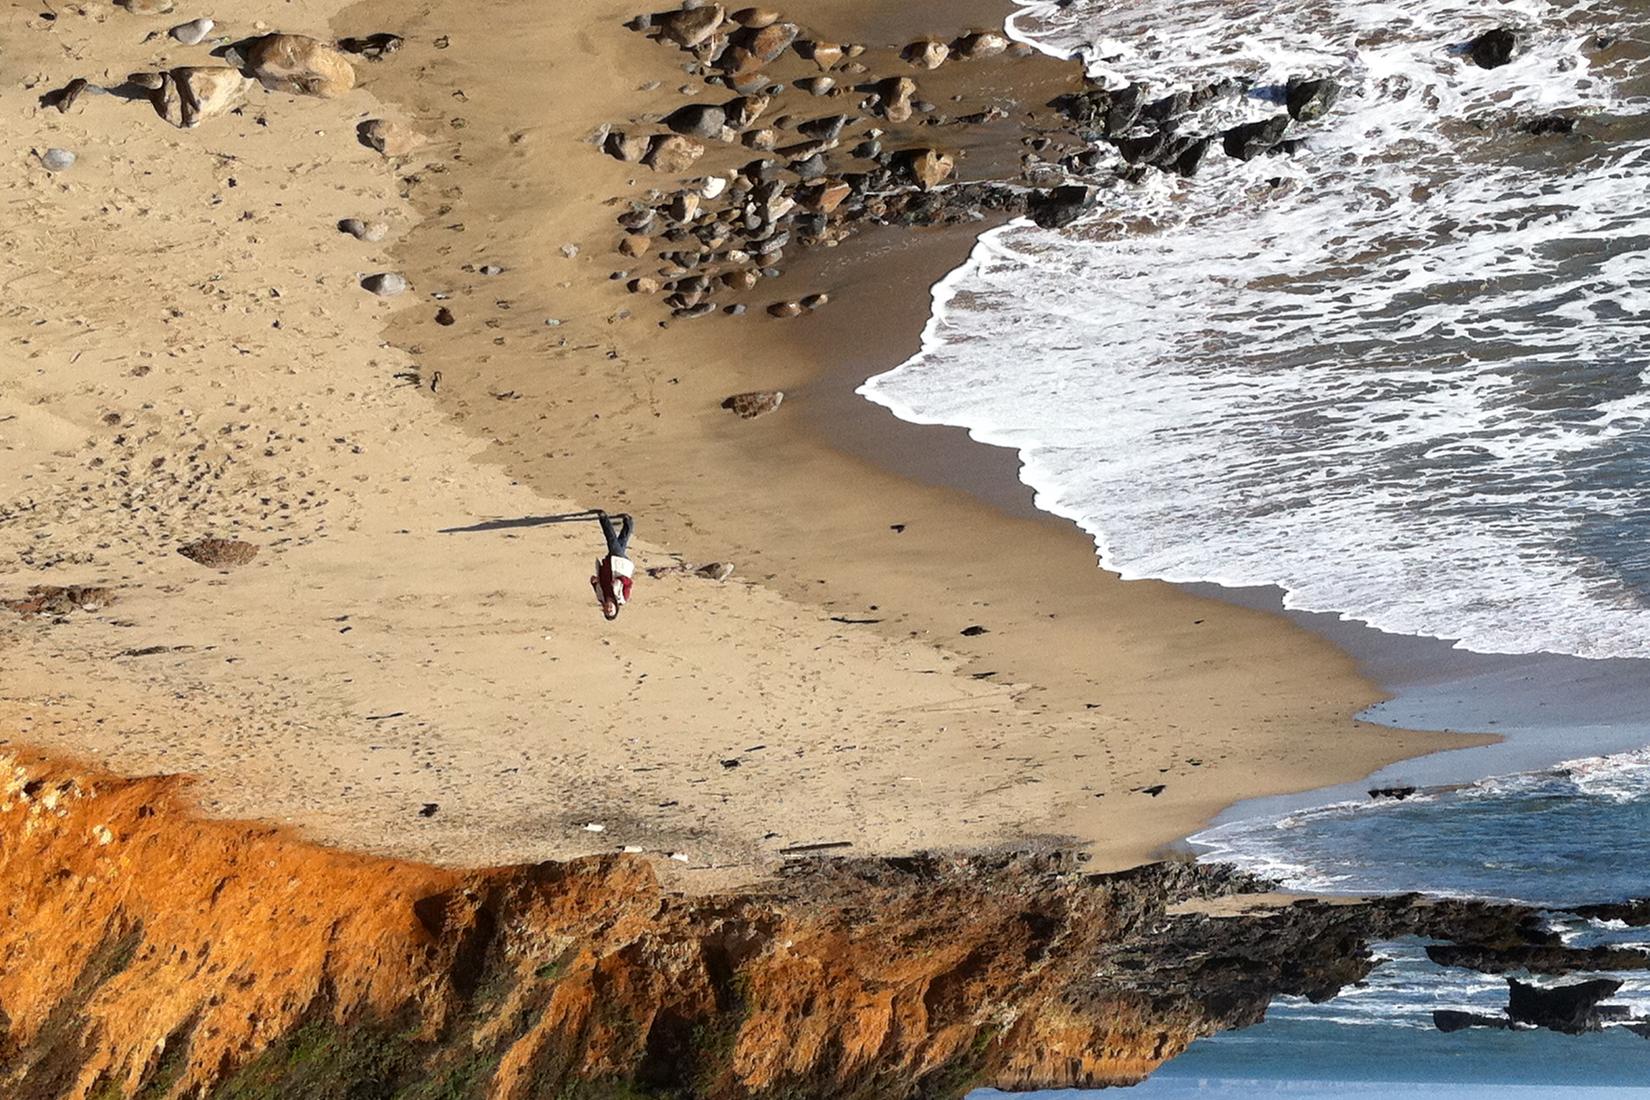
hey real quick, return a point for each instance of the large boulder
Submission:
(700, 120)
(1492, 49)
(692, 28)
(1572, 1009)
(190, 95)
(1061, 206)
(674, 154)
(895, 94)
(929, 167)
(300, 65)
(1310, 99)
(1251, 139)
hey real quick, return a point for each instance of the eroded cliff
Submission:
(148, 952)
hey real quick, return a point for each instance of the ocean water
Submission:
(1401, 375)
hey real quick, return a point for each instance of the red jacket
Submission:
(612, 580)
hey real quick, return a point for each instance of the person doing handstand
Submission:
(614, 572)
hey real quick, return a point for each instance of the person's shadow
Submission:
(521, 521)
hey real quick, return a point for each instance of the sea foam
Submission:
(1400, 374)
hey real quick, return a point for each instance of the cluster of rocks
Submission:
(1569, 1009)
(822, 156)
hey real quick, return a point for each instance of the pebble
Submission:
(192, 33)
(56, 160)
(385, 284)
(814, 301)
(569, 250)
(491, 269)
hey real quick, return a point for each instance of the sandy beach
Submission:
(190, 354)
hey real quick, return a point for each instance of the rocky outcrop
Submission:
(146, 951)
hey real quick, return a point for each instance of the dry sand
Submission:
(187, 353)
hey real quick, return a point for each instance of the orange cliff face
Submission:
(147, 951)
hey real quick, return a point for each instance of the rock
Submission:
(745, 110)
(52, 599)
(750, 82)
(982, 44)
(635, 246)
(927, 54)
(444, 316)
(735, 310)
(300, 65)
(192, 33)
(896, 93)
(828, 128)
(1059, 207)
(151, 81)
(768, 43)
(71, 93)
(1572, 1009)
(390, 138)
(1448, 1020)
(717, 570)
(739, 280)
(627, 147)
(685, 206)
(825, 197)
(570, 250)
(817, 85)
(1309, 100)
(219, 553)
(693, 28)
(809, 168)
(1551, 124)
(373, 47)
(823, 54)
(756, 18)
(928, 167)
(168, 100)
(1492, 49)
(643, 285)
(386, 284)
(1251, 139)
(785, 309)
(203, 92)
(760, 140)
(146, 7)
(674, 154)
(812, 302)
(57, 160)
(713, 187)
(364, 231)
(490, 269)
(749, 406)
(1397, 794)
(702, 120)
(974, 631)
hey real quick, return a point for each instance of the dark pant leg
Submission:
(607, 533)
(626, 526)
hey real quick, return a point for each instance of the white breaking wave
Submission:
(1401, 375)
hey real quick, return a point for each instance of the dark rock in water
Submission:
(1251, 139)
(1183, 156)
(1539, 958)
(1061, 206)
(1125, 107)
(1396, 793)
(1551, 124)
(1447, 1020)
(1492, 49)
(700, 120)
(1309, 100)
(1168, 108)
(1571, 1009)
(1145, 149)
